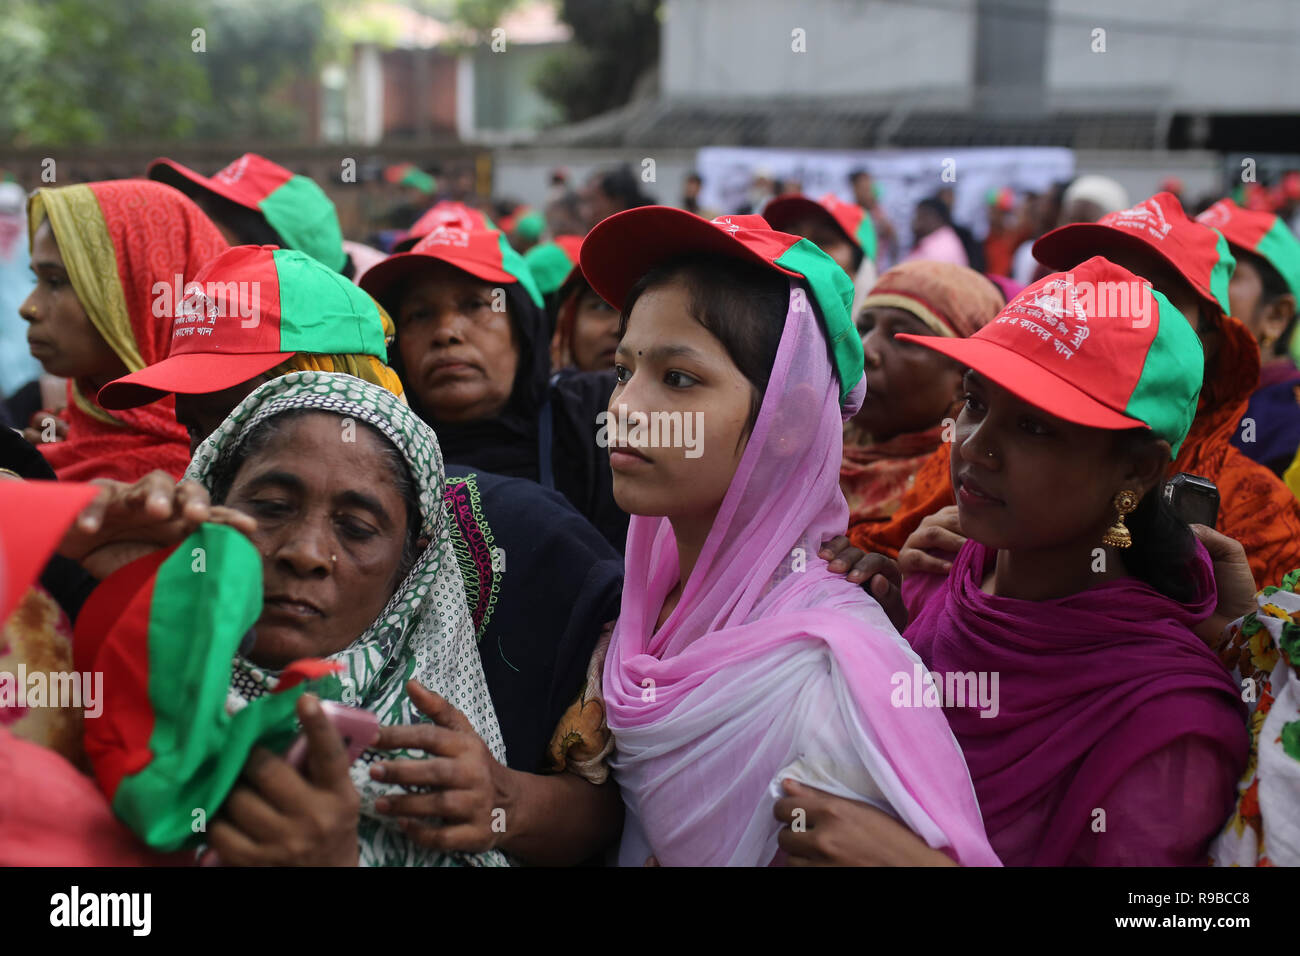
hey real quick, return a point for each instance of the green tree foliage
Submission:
(89, 72)
(614, 42)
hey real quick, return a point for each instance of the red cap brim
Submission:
(192, 373)
(171, 173)
(380, 279)
(627, 245)
(1028, 381)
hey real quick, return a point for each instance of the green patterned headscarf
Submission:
(425, 632)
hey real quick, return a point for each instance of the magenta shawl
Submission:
(770, 665)
(1107, 702)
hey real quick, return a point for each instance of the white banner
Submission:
(903, 176)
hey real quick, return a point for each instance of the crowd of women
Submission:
(921, 593)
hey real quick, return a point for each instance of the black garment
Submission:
(551, 585)
(68, 583)
(510, 444)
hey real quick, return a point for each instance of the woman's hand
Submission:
(939, 532)
(834, 831)
(280, 817)
(43, 423)
(877, 574)
(127, 521)
(1234, 580)
(469, 789)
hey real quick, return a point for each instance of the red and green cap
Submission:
(244, 313)
(448, 212)
(294, 206)
(409, 174)
(554, 263)
(164, 744)
(1159, 224)
(1262, 233)
(483, 253)
(1097, 346)
(848, 218)
(627, 245)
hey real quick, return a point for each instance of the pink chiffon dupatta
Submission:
(770, 665)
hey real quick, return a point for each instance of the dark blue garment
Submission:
(550, 584)
(1274, 410)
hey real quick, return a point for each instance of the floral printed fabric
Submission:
(1263, 649)
(425, 632)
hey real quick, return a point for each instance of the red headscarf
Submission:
(118, 240)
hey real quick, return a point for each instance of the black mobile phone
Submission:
(1193, 498)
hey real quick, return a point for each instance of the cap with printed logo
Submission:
(1097, 346)
(483, 253)
(247, 311)
(1158, 225)
(627, 245)
(294, 206)
(448, 212)
(1262, 233)
(848, 218)
(554, 263)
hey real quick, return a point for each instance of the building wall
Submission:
(504, 97)
(742, 48)
(1186, 55)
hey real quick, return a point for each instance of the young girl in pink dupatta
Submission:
(739, 659)
(1118, 735)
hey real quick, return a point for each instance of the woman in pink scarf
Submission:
(739, 660)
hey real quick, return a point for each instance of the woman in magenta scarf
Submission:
(738, 659)
(1117, 737)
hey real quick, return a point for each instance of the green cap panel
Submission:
(513, 263)
(325, 313)
(1166, 393)
(833, 290)
(303, 216)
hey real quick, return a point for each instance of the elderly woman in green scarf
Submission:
(357, 569)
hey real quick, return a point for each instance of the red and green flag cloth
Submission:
(294, 206)
(164, 632)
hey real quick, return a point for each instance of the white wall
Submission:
(742, 48)
(1187, 55)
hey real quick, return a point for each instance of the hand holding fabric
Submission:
(280, 817)
(126, 521)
